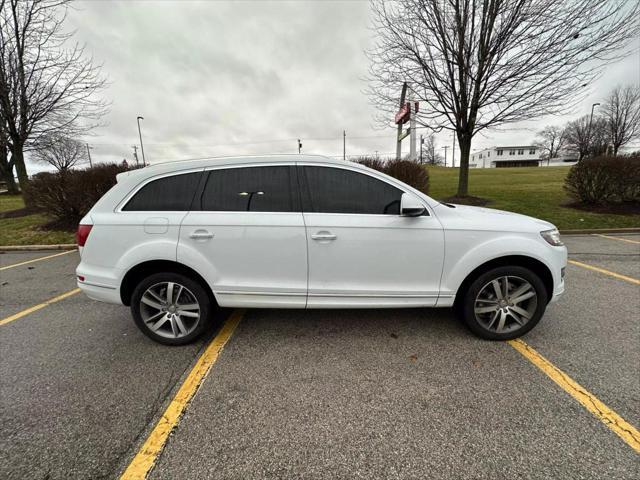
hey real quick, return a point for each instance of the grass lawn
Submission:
(535, 191)
(25, 230)
(532, 191)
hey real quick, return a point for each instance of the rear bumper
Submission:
(102, 294)
(99, 283)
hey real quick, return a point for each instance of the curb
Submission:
(29, 248)
(597, 230)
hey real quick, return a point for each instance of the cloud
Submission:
(223, 78)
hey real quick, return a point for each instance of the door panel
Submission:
(246, 235)
(362, 252)
(374, 260)
(250, 259)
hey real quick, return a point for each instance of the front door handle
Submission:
(201, 235)
(324, 236)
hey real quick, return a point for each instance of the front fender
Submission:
(466, 251)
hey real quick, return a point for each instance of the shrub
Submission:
(66, 197)
(406, 171)
(410, 173)
(605, 180)
(371, 162)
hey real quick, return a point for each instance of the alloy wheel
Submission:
(505, 304)
(170, 310)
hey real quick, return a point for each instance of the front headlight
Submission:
(552, 237)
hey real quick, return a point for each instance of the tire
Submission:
(494, 318)
(180, 326)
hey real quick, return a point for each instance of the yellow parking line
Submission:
(611, 419)
(146, 457)
(616, 238)
(35, 308)
(606, 272)
(36, 260)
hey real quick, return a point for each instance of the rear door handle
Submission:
(201, 235)
(324, 236)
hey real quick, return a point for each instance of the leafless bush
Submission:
(605, 180)
(67, 196)
(406, 171)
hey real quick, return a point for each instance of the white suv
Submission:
(176, 239)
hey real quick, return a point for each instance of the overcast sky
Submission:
(221, 78)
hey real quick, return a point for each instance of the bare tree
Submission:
(6, 165)
(430, 150)
(61, 152)
(46, 86)
(551, 139)
(587, 137)
(621, 111)
(476, 65)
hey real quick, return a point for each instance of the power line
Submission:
(279, 140)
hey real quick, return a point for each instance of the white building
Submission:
(518, 156)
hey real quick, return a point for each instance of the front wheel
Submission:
(170, 308)
(504, 303)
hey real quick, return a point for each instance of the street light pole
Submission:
(144, 162)
(589, 131)
(446, 147)
(89, 155)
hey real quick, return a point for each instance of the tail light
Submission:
(82, 234)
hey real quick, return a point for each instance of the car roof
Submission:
(205, 162)
(213, 161)
(195, 163)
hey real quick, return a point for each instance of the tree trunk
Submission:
(7, 176)
(21, 169)
(464, 140)
(6, 172)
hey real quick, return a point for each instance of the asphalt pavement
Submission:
(320, 394)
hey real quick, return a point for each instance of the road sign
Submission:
(403, 114)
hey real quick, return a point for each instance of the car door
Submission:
(362, 252)
(246, 234)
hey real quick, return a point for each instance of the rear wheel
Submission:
(170, 308)
(504, 303)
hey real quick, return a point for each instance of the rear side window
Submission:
(336, 190)
(166, 194)
(251, 189)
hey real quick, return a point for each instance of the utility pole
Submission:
(135, 154)
(453, 154)
(144, 162)
(89, 155)
(413, 106)
(446, 147)
(589, 131)
(299, 146)
(344, 144)
(376, 154)
(421, 144)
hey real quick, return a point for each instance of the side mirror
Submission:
(410, 206)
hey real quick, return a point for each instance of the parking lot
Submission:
(321, 394)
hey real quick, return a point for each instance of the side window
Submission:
(336, 190)
(166, 194)
(251, 189)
